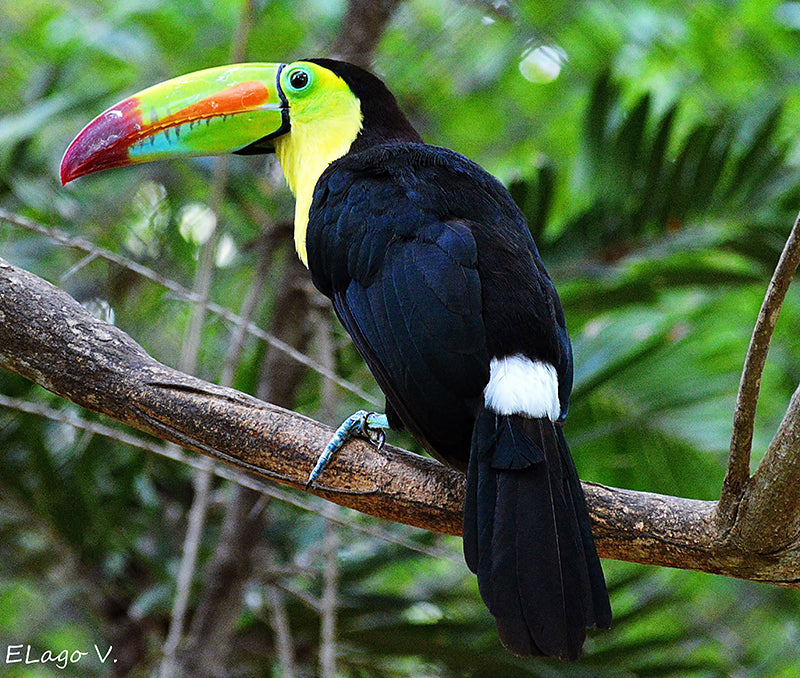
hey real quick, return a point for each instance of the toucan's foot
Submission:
(362, 424)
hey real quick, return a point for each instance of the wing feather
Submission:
(422, 336)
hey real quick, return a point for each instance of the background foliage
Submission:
(659, 174)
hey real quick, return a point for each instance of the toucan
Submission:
(432, 270)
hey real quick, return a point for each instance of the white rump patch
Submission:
(518, 385)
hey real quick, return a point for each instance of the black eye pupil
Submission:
(298, 79)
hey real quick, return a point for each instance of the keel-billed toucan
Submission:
(433, 272)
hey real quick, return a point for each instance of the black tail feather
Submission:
(600, 606)
(528, 538)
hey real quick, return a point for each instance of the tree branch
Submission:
(738, 472)
(52, 340)
(49, 338)
(362, 27)
(768, 517)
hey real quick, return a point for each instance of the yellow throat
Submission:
(324, 123)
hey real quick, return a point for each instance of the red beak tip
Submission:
(68, 171)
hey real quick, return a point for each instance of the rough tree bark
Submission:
(52, 340)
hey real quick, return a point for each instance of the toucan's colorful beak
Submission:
(230, 109)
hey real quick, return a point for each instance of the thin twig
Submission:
(88, 259)
(329, 602)
(738, 472)
(279, 619)
(183, 580)
(254, 296)
(329, 599)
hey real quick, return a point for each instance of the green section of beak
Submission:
(210, 112)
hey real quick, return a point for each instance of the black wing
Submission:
(418, 326)
(403, 240)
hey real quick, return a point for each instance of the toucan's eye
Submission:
(299, 79)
